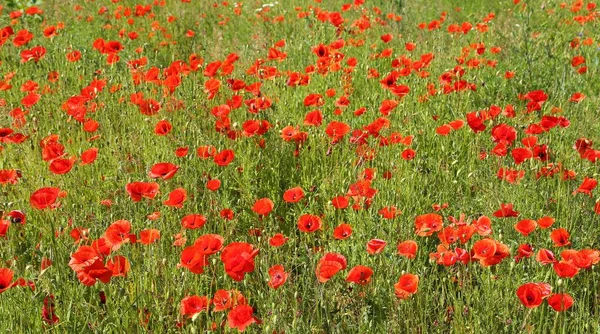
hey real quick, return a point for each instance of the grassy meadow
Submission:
(299, 166)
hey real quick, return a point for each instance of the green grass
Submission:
(446, 169)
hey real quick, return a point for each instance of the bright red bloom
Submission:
(278, 276)
(6, 277)
(192, 305)
(224, 158)
(95, 271)
(293, 195)
(329, 265)
(163, 170)
(309, 223)
(337, 130)
(137, 190)
(533, 294)
(376, 246)
(48, 312)
(149, 236)
(241, 317)
(89, 156)
(408, 249)
(526, 226)
(506, 210)
(560, 237)
(406, 286)
(238, 258)
(278, 240)
(342, 232)
(426, 225)
(263, 206)
(9, 176)
(560, 301)
(209, 244)
(565, 269)
(545, 222)
(586, 186)
(176, 198)
(360, 275)
(45, 198)
(61, 166)
(213, 185)
(118, 233)
(119, 266)
(193, 221)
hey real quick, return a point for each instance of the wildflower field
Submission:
(299, 166)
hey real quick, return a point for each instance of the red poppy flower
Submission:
(360, 275)
(181, 151)
(545, 256)
(406, 286)
(119, 266)
(533, 294)
(293, 195)
(278, 240)
(526, 226)
(45, 198)
(408, 249)
(309, 223)
(506, 210)
(192, 305)
(206, 152)
(61, 166)
(227, 214)
(209, 244)
(313, 118)
(340, 202)
(213, 185)
(524, 251)
(408, 154)
(329, 265)
(376, 246)
(89, 156)
(193, 221)
(389, 212)
(337, 130)
(565, 269)
(241, 317)
(263, 206)
(586, 186)
(6, 277)
(9, 176)
(278, 276)
(484, 248)
(426, 225)
(176, 198)
(560, 237)
(314, 100)
(48, 312)
(342, 231)
(545, 222)
(118, 233)
(193, 259)
(149, 236)
(163, 170)
(163, 128)
(224, 158)
(93, 272)
(238, 258)
(17, 217)
(222, 300)
(560, 301)
(137, 190)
